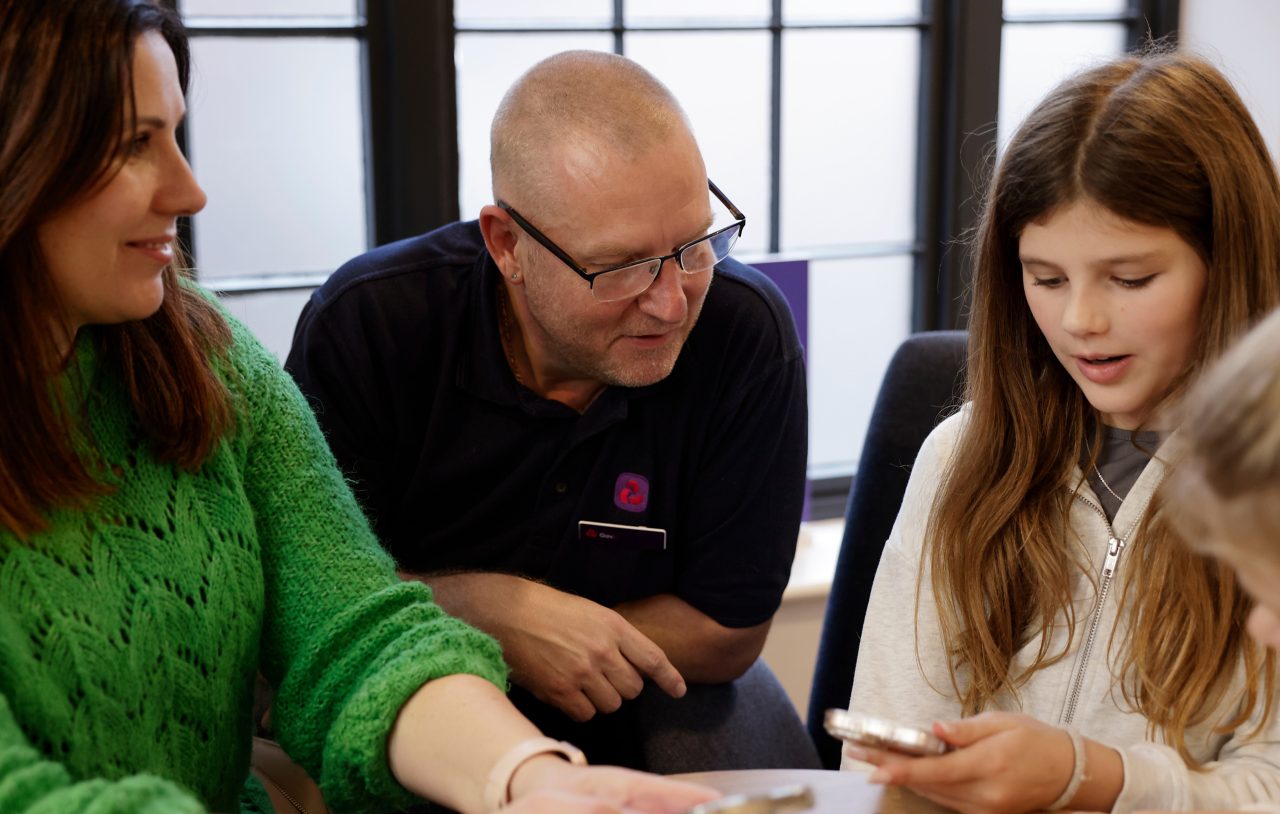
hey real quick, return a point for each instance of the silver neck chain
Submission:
(1106, 485)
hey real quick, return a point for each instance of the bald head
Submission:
(597, 105)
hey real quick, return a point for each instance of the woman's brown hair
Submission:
(1163, 140)
(66, 107)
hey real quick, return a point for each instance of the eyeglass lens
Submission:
(629, 281)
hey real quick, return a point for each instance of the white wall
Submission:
(1241, 37)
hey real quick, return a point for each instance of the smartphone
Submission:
(774, 801)
(878, 733)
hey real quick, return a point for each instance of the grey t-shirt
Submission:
(1123, 456)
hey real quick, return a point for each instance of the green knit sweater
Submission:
(131, 632)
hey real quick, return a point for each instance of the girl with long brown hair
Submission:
(1032, 604)
(171, 521)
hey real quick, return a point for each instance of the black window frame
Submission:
(411, 132)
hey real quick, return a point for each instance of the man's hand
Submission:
(702, 649)
(569, 652)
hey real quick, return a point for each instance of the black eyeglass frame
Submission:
(740, 223)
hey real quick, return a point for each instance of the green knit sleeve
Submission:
(345, 642)
(31, 784)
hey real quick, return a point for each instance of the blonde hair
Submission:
(1164, 140)
(1226, 492)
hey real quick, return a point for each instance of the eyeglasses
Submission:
(632, 279)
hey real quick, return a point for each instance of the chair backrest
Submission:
(924, 380)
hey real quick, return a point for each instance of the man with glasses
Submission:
(584, 425)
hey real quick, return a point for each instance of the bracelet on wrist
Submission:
(1077, 772)
(497, 788)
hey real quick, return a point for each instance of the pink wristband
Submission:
(497, 789)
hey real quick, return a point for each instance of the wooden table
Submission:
(833, 792)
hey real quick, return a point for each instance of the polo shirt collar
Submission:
(482, 365)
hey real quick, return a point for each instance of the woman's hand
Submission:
(563, 802)
(451, 734)
(548, 783)
(1003, 762)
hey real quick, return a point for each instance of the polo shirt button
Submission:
(561, 488)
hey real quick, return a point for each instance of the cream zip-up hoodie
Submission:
(1080, 690)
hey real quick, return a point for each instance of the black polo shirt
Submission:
(461, 468)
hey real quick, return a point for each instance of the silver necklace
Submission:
(1106, 485)
(1101, 479)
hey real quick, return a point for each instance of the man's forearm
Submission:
(568, 651)
(703, 650)
(476, 597)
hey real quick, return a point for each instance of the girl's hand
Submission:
(1003, 762)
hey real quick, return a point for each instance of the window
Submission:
(851, 134)
(815, 180)
(275, 134)
(1041, 42)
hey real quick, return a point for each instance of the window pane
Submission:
(1045, 7)
(487, 65)
(276, 140)
(522, 13)
(270, 315)
(676, 12)
(269, 8)
(859, 312)
(799, 11)
(722, 81)
(849, 112)
(1034, 57)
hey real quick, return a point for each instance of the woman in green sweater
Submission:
(171, 521)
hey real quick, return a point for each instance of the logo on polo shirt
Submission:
(631, 492)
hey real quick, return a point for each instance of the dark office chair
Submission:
(924, 380)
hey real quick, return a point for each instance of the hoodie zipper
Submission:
(1115, 546)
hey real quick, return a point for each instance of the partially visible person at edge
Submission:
(1225, 494)
(171, 520)
(584, 425)
(1033, 604)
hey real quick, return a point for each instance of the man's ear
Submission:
(500, 238)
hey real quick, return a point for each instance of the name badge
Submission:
(640, 537)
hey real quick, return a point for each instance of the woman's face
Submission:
(106, 250)
(1117, 301)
